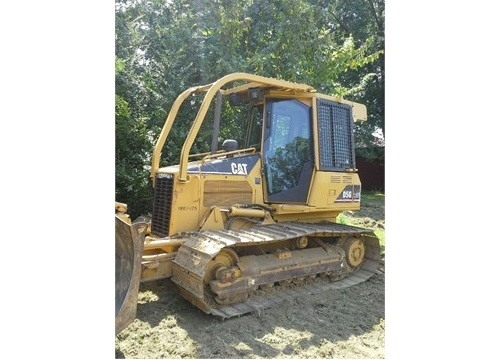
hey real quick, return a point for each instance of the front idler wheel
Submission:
(355, 252)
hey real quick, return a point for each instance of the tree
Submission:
(166, 46)
(364, 21)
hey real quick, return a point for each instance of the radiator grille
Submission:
(160, 222)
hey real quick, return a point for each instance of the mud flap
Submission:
(129, 241)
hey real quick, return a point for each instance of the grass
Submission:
(370, 216)
(376, 197)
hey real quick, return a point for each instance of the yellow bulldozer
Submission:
(244, 225)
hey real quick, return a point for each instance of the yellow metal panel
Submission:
(326, 188)
(185, 207)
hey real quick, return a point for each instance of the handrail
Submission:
(182, 177)
(160, 143)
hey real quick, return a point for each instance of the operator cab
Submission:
(284, 127)
(288, 145)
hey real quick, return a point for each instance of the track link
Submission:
(192, 265)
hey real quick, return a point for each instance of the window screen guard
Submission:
(336, 147)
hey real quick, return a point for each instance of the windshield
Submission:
(287, 150)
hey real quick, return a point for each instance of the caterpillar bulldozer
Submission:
(245, 225)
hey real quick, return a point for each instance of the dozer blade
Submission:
(129, 241)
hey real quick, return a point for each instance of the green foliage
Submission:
(371, 152)
(166, 46)
(131, 155)
(364, 21)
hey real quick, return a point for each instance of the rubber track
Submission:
(282, 231)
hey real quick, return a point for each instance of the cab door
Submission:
(287, 151)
